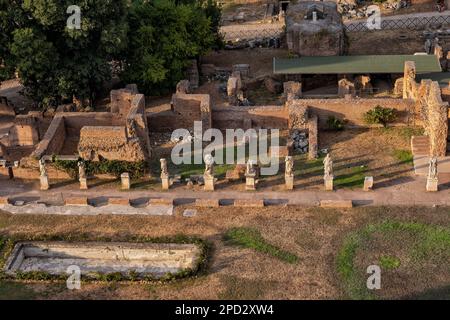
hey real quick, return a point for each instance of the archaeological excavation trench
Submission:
(93, 258)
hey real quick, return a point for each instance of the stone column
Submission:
(208, 175)
(164, 175)
(125, 181)
(43, 175)
(289, 173)
(328, 176)
(82, 175)
(313, 137)
(250, 177)
(432, 178)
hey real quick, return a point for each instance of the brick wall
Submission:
(353, 109)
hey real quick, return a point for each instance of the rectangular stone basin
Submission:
(102, 257)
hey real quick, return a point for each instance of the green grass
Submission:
(235, 288)
(16, 291)
(404, 156)
(389, 262)
(353, 179)
(432, 245)
(252, 239)
(408, 132)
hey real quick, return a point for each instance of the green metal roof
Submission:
(355, 64)
(442, 77)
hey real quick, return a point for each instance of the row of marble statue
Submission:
(250, 175)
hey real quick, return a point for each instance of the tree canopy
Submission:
(151, 40)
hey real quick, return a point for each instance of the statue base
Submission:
(250, 183)
(289, 180)
(44, 183)
(209, 183)
(432, 184)
(329, 183)
(83, 184)
(368, 183)
(125, 181)
(165, 183)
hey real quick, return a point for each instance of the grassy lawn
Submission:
(252, 239)
(404, 156)
(414, 249)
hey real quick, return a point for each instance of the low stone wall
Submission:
(353, 110)
(260, 116)
(53, 140)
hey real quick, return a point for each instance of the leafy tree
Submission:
(56, 63)
(163, 37)
(380, 115)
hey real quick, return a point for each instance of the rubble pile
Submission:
(300, 141)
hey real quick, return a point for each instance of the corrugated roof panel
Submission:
(355, 64)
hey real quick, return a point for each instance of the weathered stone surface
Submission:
(336, 203)
(183, 87)
(83, 184)
(322, 37)
(76, 201)
(45, 185)
(346, 87)
(292, 90)
(432, 184)
(298, 114)
(161, 201)
(249, 203)
(96, 257)
(208, 203)
(119, 201)
(313, 137)
(125, 181)
(4, 200)
(328, 181)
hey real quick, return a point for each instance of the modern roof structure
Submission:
(442, 77)
(369, 64)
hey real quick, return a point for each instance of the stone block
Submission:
(119, 201)
(125, 181)
(432, 185)
(44, 183)
(207, 203)
(329, 183)
(368, 183)
(161, 201)
(76, 201)
(336, 203)
(4, 200)
(250, 183)
(289, 180)
(249, 203)
(165, 183)
(209, 183)
(83, 184)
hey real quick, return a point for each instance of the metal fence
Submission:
(252, 34)
(414, 23)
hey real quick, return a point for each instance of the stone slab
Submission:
(336, 203)
(119, 201)
(207, 203)
(76, 201)
(249, 203)
(161, 201)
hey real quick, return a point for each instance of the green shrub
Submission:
(113, 167)
(334, 123)
(380, 115)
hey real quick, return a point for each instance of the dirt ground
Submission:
(314, 235)
(385, 42)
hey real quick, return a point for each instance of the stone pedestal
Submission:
(432, 184)
(83, 184)
(250, 182)
(165, 182)
(209, 183)
(125, 181)
(289, 182)
(368, 183)
(328, 183)
(44, 183)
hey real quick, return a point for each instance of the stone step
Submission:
(420, 145)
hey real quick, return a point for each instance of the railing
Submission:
(414, 23)
(253, 34)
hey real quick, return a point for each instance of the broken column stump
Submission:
(125, 181)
